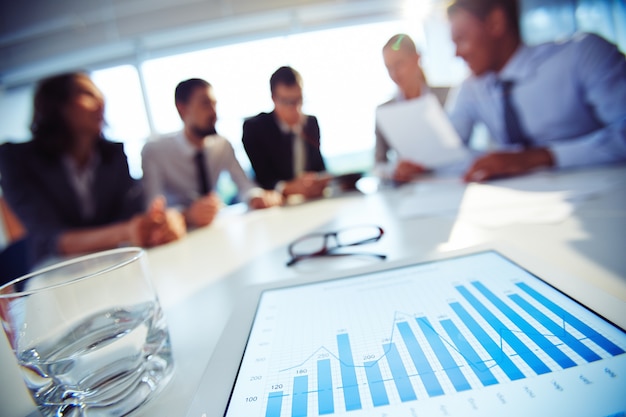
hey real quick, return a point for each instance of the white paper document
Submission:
(539, 198)
(420, 131)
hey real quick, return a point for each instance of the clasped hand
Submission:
(309, 184)
(158, 225)
(202, 212)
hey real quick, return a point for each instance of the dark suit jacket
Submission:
(271, 152)
(37, 187)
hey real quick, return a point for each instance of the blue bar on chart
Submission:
(274, 404)
(535, 335)
(591, 334)
(351, 394)
(450, 367)
(376, 384)
(398, 371)
(506, 334)
(325, 402)
(503, 361)
(558, 331)
(424, 370)
(469, 354)
(299, 399)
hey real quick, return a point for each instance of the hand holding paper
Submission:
(420, 131)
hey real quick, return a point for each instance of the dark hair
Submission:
(285, 76)
(185, 89)
(481, 8)
(51, 132)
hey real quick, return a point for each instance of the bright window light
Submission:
(125, 111)
(16, 112)
(344, 80)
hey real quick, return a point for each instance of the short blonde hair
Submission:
(402, 42)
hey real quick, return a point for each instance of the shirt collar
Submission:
(285, 128)
(518, 66)
(88, 170)
(186, 147)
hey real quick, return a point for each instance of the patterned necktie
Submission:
(203, 173)
(515, 134)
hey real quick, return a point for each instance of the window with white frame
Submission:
(344, 80)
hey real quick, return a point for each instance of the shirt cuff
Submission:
(254, 193)
(280, 186)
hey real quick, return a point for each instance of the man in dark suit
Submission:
(284, 145)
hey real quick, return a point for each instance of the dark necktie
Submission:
(203, 173)
(514, 131)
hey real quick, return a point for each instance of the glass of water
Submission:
(89, 334)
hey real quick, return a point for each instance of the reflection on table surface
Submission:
(575, 219)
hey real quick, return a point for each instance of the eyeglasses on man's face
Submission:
(288, 101)
(328, 244)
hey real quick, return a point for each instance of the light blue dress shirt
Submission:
(570, 97)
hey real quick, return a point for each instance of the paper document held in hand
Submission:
(420, 131)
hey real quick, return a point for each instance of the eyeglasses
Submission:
(326, 244)
(288, 101)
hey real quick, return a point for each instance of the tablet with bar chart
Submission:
(471, 335)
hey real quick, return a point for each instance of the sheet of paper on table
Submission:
(542, 197)
(420, 131)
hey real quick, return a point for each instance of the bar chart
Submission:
(470, 339)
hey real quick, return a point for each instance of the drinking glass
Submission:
(89, 334)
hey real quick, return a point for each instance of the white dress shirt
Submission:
(169, 169)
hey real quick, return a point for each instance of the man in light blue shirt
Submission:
(569, 98)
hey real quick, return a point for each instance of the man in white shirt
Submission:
(185, 166)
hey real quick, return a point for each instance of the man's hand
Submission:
(309, 184)
(269, 198)
(203, 210)
(407, 171)
(505, 164)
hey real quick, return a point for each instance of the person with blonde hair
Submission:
(402, 61)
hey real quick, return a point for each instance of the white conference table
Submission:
(575, 220)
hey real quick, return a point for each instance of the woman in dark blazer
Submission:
(69, 186)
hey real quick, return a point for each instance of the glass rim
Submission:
(137, 251)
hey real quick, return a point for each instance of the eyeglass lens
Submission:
(318, 243)
(308, 245)
(357, 235)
